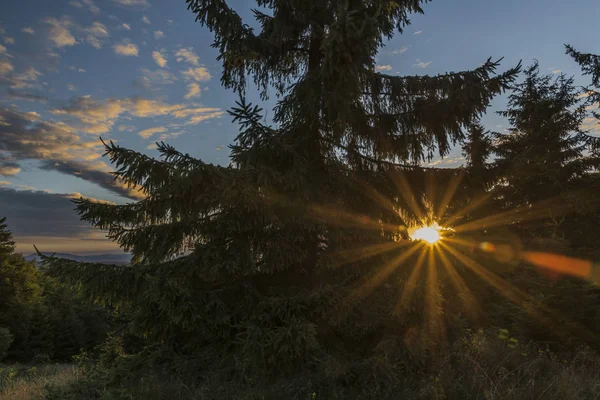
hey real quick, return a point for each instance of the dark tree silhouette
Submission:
(272, 262)
(543, 160)
(7, 244)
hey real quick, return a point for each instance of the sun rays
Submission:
(443, 243)
(430, 234)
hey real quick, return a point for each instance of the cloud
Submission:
(71, 87)
(95, 33)
(8, 168)
(170, 135)
(145, 20)
(127, 27)
(24, 79)
(193, 91)
(5, 67)
(9, 40)
(4, 52)
(126, 128)
(417, 32)
(591, 125)
(150, 78)
(49, 221)
(59, 33)
(28, 30)
(158, 34)
(13, 94)
(401, 50)
(199, 74)
(554, 70)
(421, 64)
(75, 4)
(96, 117)
(447, 162)
(159, 58)
(383, 67)
(196, 119)
(147, 133)
(99, 117)
(91, 6)
(25, 136)
(132, 2)
(187, 112)
(187, 55)
(74, 68)
(126, 49)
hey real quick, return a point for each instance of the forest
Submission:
(328, 259)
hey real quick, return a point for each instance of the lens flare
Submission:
(430, 234)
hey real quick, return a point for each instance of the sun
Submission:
(430, 234)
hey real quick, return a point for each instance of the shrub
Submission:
(6, 339)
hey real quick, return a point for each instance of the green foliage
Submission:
(254, 262)
(7, 244)
(542, 167)
(290, 268)
(46, 318)
(6, 339)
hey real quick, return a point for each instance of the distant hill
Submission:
(94, 258)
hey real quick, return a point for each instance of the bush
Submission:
(41, 358)
(6, 340)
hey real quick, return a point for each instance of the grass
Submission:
(489, 365)
(27, 382)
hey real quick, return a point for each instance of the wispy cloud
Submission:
(132, 2)
(127, 27)
(126, 49)
(89, 3)
(199, 74)
(555, 70)
(401, 50)
(187, 55)
(95, 33)
(91, 6)
(383, 67)
(9, 40)
(147, 133)
(193, 90)
(421, 64)
(145, 20)
(417, 32)
(25, 79)
(158, 34)
(99, 117)
(28, 30)
(6, 67)
(159, 58)
(59, 33)
(150, 78)
(9, 168)
(18, 95)
(58, 147)
(447, 162)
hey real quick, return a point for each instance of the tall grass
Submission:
(26, 382)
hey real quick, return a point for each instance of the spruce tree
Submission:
(286, 258)
(586, 227)
(477, 149)
(542, 161)
(7, 244)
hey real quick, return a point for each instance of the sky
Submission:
(141, 71)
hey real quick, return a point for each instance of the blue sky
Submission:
(137, 71)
